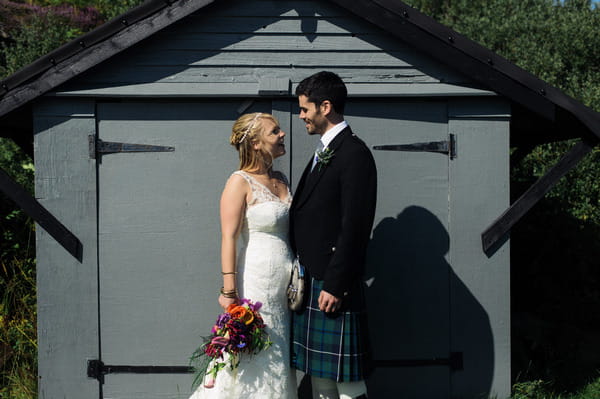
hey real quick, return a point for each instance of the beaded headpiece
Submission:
(250, 127)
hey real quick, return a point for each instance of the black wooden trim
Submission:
(101, 33)
(41, 215)
(442, 43)
(471, 59)
(396, 17)
(521, 206)
(89, 50)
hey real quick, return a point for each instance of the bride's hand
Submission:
(225, 302)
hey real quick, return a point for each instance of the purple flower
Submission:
(223, 319)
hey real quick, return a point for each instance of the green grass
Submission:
(541, 390)
(18, 337)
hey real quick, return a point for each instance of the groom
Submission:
(330, 224)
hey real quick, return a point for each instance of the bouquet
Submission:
(239, 330)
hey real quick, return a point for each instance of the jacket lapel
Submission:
(309, 179)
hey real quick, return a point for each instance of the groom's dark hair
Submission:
(324, 86)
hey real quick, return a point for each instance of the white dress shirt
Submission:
(331, 133)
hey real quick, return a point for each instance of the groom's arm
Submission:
(358, 195)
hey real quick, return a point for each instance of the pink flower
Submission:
(220, 341)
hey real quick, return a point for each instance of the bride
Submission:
(254, 209)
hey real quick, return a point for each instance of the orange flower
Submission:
(231, 307)
(242, 313)
(237, 312)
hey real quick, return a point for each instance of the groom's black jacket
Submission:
(332, 214)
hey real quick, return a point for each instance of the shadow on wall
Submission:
(419, 310)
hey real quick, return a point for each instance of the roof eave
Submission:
(470, 58)
(90, 49)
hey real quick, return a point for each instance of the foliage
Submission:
(578, 193)
(16, 229)
(28, 31)
(538, 389)
(528, 390)
(18, 336)
(107, 8)
(34, 31)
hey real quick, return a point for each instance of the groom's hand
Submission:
(328, 302)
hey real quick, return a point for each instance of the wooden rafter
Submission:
(536, 192)
(41, 215)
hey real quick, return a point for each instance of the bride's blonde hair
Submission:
(245, 133)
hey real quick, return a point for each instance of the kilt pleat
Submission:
(333, 346)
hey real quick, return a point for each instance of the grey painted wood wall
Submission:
(144, 292)
(231, 46)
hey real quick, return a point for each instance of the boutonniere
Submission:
(324, 157)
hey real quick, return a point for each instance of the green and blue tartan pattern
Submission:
(329, 347)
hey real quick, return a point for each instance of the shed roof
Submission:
(539, 110)
(558, 115)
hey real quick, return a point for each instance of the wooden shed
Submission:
(130, 127)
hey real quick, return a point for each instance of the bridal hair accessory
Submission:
(295, 290)
(324, 157)
(240, 329)
(250, 127)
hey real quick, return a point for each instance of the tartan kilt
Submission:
(332, 345)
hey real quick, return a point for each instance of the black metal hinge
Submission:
(97, 369)
(447, 147)
(455, 362)
(99, 147)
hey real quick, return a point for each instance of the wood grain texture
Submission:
(480, 285)
(159, 235)
(67, 289)
(272, 39)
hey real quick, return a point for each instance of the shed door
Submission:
(408, 267)
(159, 240)
(159, 237)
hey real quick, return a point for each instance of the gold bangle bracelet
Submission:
(229, 294)
(224, 273)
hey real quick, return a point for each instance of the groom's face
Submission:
(315, 121)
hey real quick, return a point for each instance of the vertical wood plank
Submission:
(480, 285)
(65, 183)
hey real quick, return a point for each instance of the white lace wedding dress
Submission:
(264, 265)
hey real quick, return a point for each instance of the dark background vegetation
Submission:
(555, 249)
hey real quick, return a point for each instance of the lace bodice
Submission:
(261, 193)
(266, 212)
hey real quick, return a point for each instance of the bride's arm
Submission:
(233, 204)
